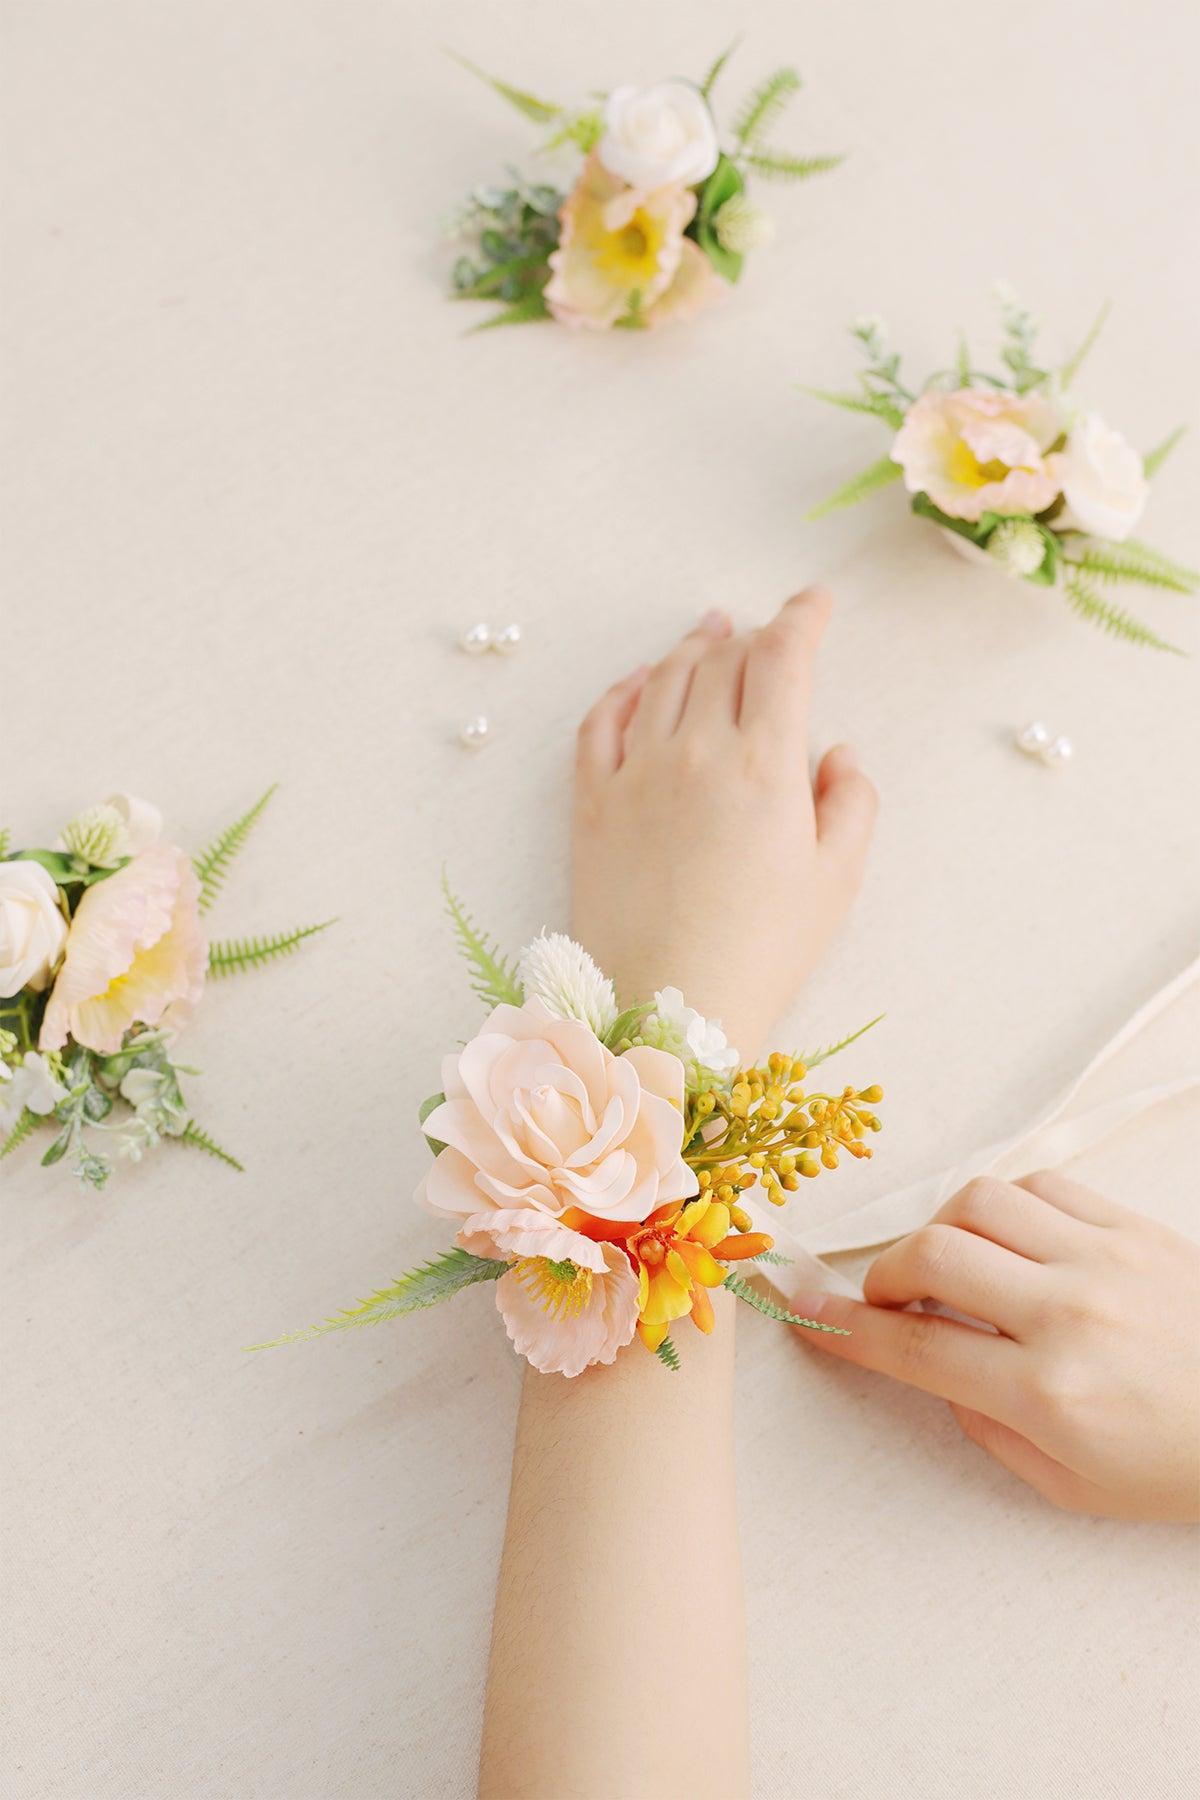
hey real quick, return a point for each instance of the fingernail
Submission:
(712, 620)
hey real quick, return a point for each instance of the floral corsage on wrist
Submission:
(598, 1166)
(103, 959)
(1015, 472)
(658, 217)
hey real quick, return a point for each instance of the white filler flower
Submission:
(698, 1040)
(659, 136)
(559, 971)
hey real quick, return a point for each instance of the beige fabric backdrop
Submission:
(254, 482)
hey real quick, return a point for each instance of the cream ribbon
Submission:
(1054, 1139)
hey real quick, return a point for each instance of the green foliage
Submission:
(880, 475)
(5, 836)
(200, 1140)
(530, 307)
(770, 1256)
(212, 865)
(1090, 605)
(624, 1027)
(779, 165)
(84, 1104)
(426, 1107)
(879, 406)
(1129, 562)
(1154, 459)
(828, 1050)
(437, 1280)
(724, 182)
(1075, 362)
(494, 977)
(668, 1354)
(762, 107)
(710, 80)
(229, 956)
(542, 112)
(1020, 330)
(20, 1131)
(772, 1310)
(512, 232)
(1146, 553)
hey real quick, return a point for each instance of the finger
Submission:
(1072, 1198)
(716, 687)
(846, 807)
(779, 666)
(936, 1355)
(663, 696)
(1052, 1479)
(1014, 1217)
(969, 1273)
(601, 736)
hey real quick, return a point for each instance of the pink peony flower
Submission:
(136, 955)
(621, 248)
(979, 450)
(539, 1117)
(566, 1302)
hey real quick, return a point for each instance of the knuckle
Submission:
(976, 1204)
(931, 1250)
(919, 1343)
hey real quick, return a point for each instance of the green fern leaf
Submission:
(668, 1354)
(20, 1131)
(771, 1310)
(200, 1140)
(4, 837)
(771, 1256)
(1082, 598)
(764, 105)
(1122, 562)
(494, 978)
(778, 165)
(1154, 459)
(879, 406)
(437, 1280)
(879, 475)
(229, 956)
(828, 1050)
(1075, 362)
(1190, 578)
(540, 111)
(212, 865)
(529, 307)
(710, 80)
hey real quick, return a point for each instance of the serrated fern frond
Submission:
(827, 1050)
(710, 80)
(778, 165)
(860, 487)
(229, 956)
(439, 1279)
(524, 311)
(212, 865)
(1082, 597)
(1154, 459)
(1127, 562)
(495, 978)
(200, 1140)
(542, 112)
(764, 105)
(771, 1256)
(879, 406)
(668, 1354)
(1075, 362)
(20, 1131)
(771, 1310)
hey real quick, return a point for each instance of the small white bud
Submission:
(1017, 546)
(741, 226)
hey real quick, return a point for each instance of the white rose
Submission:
(657, 136)
(1102, 480)
(32, 929)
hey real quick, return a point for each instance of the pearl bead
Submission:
(1034, 738)
(475, 733)
(507, 639)
(1059, 752)
(476, 639)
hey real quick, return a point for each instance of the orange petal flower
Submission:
(673, 1253)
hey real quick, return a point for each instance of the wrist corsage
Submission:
(103, 959)
(1015, 472)
(599, 1167)
(658, 216)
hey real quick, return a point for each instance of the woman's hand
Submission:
(1090, 1389)
(705, 857)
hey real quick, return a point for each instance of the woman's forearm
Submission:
(618, 1658)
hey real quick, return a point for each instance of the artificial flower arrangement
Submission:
(659, 215)
(1017, 471)
(596, 1163)
(103, 958)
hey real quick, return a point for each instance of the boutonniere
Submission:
(103, 960)
(600, 1166)
(659, 215)
(1016, 471)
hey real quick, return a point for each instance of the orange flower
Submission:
(677, 1257)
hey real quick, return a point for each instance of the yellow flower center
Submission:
(630, 255)
(561, 1289)
(964, 467)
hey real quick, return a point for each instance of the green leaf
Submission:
(423, 1112)
(626, 1023)
(724, 182)
(20, 1131)
(778, 165)
(764, 105)
(494, 977)
(879, 406)
(437, 1280)
(828, 1050)
(1127, 562)
(962, 362)
(212, 865)
(880, 475)
(1090, 605)
(710, 80)
(1154, 459)
(1148, 554)
(229, 956)
(5, 835)
(520, 312)
(771, 1310)
(60, 1146)
(770, 1256)
(667, 1353)
(540, 111)
(1075, 362)
(200, 1140)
